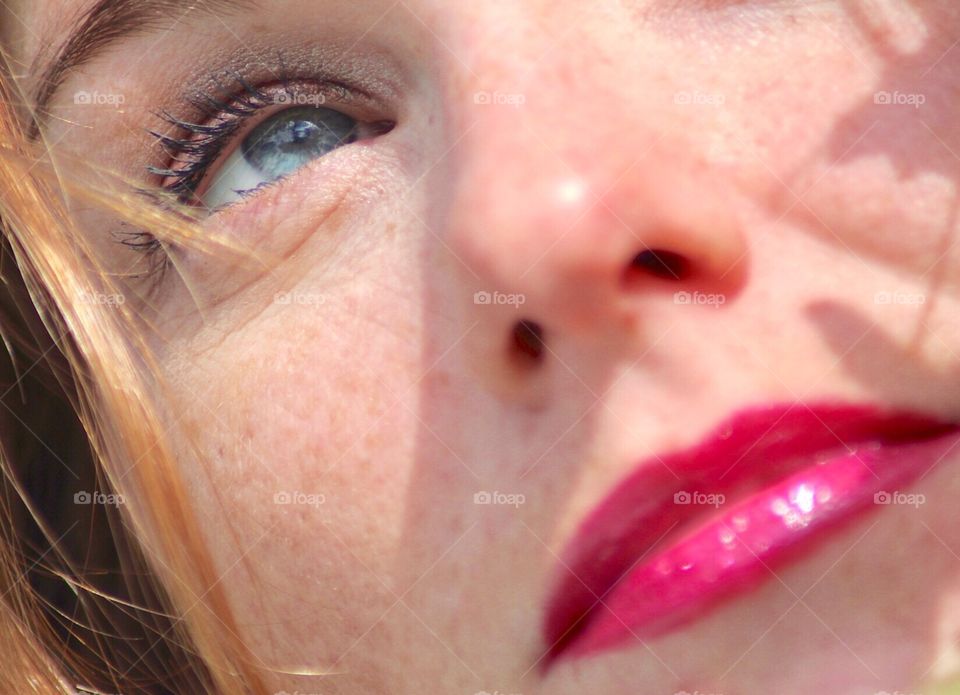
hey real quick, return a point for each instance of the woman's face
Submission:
(453, 299)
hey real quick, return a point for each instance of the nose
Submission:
(587, 248)
(575, 207)
(565, 239)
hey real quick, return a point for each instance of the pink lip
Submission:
(644, 563)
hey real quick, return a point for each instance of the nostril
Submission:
(526, 343)
(666, 265)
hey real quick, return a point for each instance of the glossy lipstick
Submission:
(691, 528)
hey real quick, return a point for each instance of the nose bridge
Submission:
(530, 59)
(553, 152)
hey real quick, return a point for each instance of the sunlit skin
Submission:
(745, 137)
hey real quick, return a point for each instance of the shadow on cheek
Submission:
(868, 351)
(905, 117)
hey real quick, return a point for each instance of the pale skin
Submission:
(744, 137)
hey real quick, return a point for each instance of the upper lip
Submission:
(748, 451)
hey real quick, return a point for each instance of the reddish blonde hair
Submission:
(115, 600)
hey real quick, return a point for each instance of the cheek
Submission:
(306, 420)
(906, 221)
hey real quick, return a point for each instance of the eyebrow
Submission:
(105, 24)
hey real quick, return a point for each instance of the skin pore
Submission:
(350, 395)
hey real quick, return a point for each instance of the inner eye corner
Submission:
(379, 128)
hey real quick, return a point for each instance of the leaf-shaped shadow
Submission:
(895, 371)
(917, 143)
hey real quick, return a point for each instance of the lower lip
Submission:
(736, 546)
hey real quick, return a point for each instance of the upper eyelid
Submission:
(208, 105)
(374, 81)
(237, 112)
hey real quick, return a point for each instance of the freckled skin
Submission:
(746, 140)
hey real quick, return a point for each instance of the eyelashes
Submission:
(198, 145)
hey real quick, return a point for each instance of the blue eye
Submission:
(278, 147)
